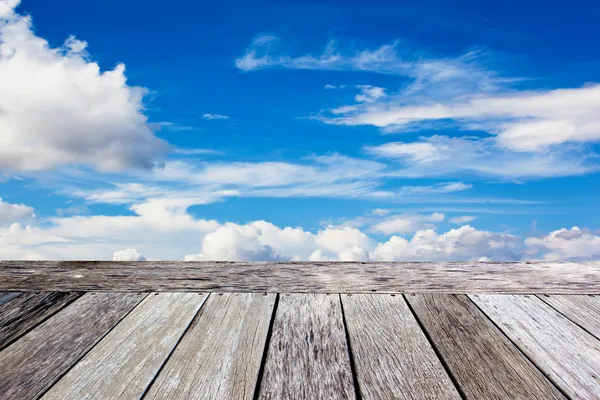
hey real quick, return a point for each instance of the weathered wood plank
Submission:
(332, 277)
(34, 362)
(583, 310)
(8, 296)
(124, 363)
(392, 356)
(484, 363)
(308, 356)
(28, 310)
(219, 356)
(567, 354)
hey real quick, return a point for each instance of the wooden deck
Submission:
(268, 338)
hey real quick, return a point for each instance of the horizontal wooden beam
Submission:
(302, 277)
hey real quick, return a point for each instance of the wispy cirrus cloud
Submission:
(533, 133)
(450, 156)
(215, 116)
(465, 219)
(448, 74)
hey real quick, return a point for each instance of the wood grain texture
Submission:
(219, 356)
(308, 356)
(124, 363)
(583, 310)
(34, 362)
(392, 356)
(310, 277)
(26, 311)
(484, 363)
(8, 296)
(567, 354)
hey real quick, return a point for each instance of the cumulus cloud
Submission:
(10, 213)
(236, 243)
(160, 228)
(355, 253)
(464, 243)
(128, 255)
(58, 107)
(573, 244)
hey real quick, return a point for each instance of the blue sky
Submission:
(299, 130)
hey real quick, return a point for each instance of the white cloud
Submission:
(520, 121)
(215, 116)
(573, 244)
(462, 220)
(449, 156)
(57, 107)
(236, 243)
(446, 74)
(10, 213)
(407, 223)
(208, 182)
(380, 212)
(355, 253)
(464, 243)
(369, 94)
(128, 255)
(441, 188)
(337, 240)
(19, 242)
(160, 229)
(166, 231)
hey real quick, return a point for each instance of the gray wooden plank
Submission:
(26, 311)
(583, 310)
(35, 361)
(308, 356)
(309, 277)
(484, 363)
(567, 354)
(8, 296)
(219, 357)
(123, 364)
(392, 356)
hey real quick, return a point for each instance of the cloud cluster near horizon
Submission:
(168, 232)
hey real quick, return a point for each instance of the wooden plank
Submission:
(26, 311)
(124, 363)
(583, 310)
(567, 354)
(219, 357)
(392, 356)
(309, 277)
(484, 363)
(308, 356)
(33, 363)
(8, 296)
